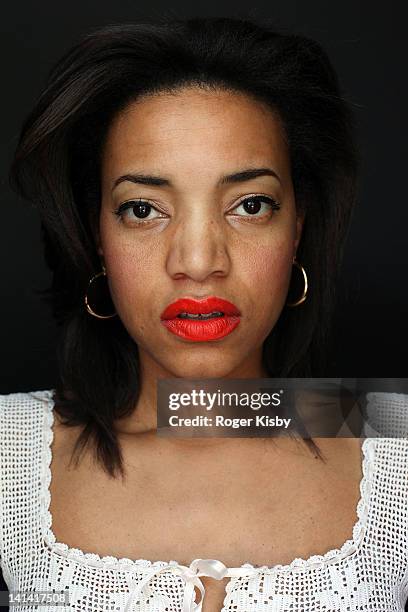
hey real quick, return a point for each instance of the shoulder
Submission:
(25, 427)
(20, 411)
(386, 415)
(24, 424)
(24, 399)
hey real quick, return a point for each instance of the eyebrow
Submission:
(236, 177)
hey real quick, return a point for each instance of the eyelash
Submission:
(131, 203)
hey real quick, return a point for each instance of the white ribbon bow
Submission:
(199, 567)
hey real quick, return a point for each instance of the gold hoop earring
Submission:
(88, 307)
(303, 296)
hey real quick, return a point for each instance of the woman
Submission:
(200, 176)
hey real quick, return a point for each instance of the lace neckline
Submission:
(350, 546)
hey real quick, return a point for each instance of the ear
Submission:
(300, 219)
(98, 246)
(93, 220)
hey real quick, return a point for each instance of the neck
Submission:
(143, 419)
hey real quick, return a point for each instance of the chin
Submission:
(197, 369)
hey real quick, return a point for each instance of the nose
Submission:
(198, 248)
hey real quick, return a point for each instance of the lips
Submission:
(224, 318)
(205, 306)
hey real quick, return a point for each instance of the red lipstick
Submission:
(201, 320)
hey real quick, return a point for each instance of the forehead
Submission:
(194, 128)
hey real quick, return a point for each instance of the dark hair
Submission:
(57, 166)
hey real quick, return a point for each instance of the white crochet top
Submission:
(368, 573)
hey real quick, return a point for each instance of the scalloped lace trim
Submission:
(109, 562)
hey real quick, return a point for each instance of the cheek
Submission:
(131, 273)
(267, 271)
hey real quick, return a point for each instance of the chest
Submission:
(257, 506)
(251, 507)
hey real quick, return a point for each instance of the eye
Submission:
(256, 206)
(141, 212)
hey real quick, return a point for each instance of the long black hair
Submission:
(57, 166)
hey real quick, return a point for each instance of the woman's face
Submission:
(205, 226)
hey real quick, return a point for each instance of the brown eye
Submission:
(140, 209)
(256, 204)
(252, 206)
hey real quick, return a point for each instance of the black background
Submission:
(366, 42)
(367, 45)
